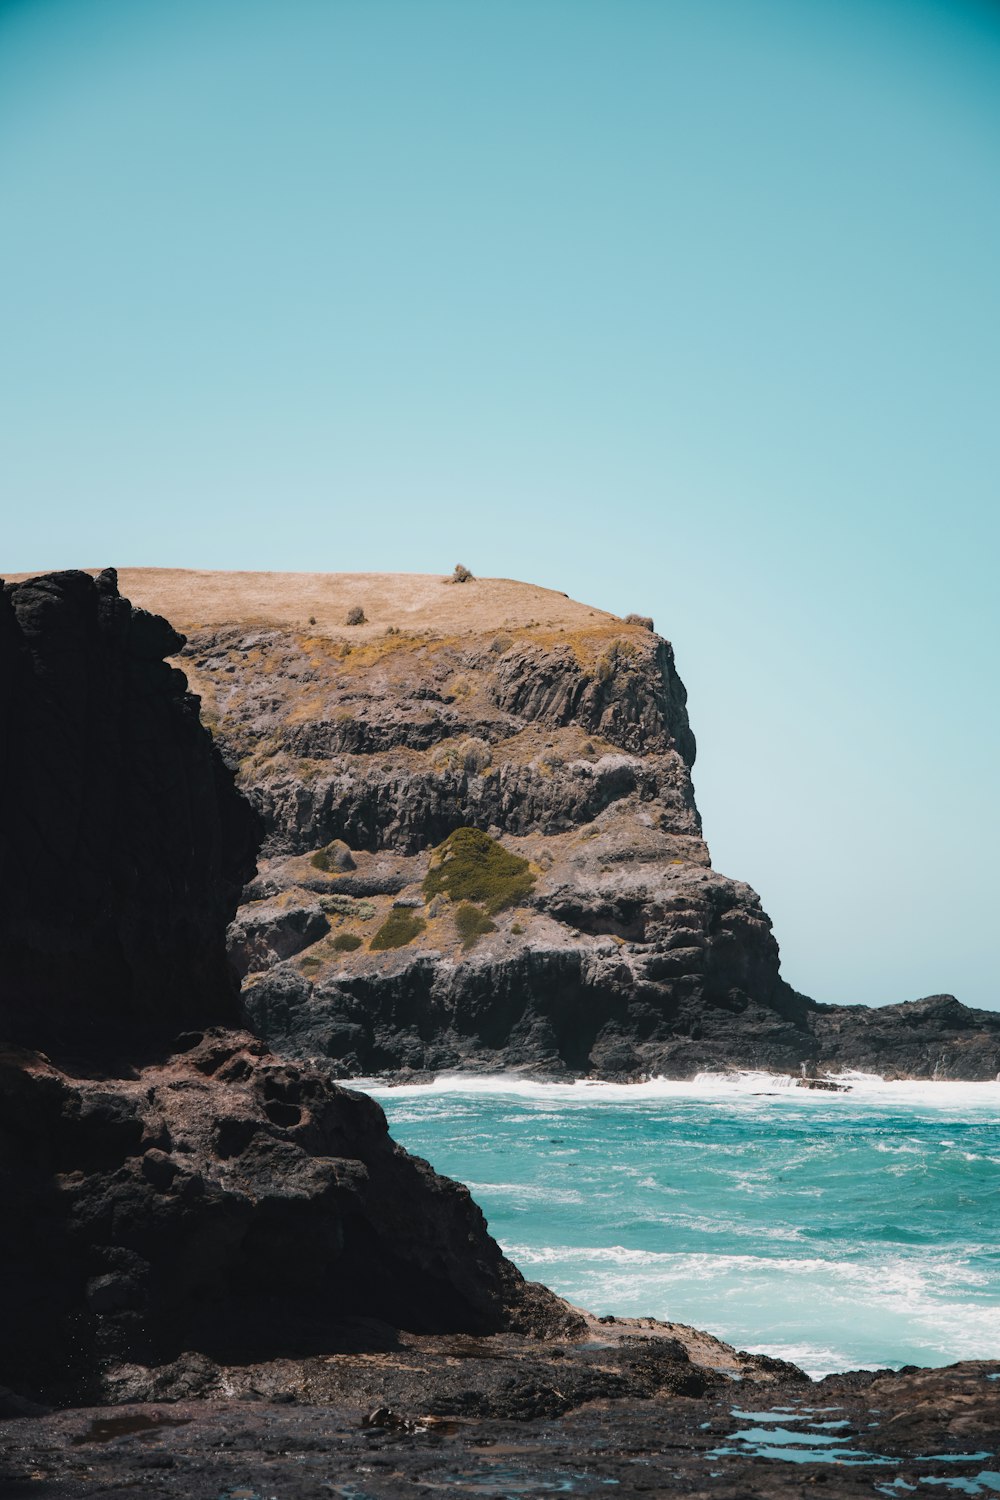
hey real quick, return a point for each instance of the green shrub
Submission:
(400, 927)
(346, 942)
(472, 924)
(516, 929)
(470, 866)
(311, 963)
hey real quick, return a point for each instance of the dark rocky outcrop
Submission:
(223, 1202)
(202, 1196)
(123, 843)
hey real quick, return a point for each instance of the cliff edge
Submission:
(459, 734)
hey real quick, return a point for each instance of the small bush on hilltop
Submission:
(355, 616)
(400, 927)
(461, 575)
(470, 866)
(472, 924)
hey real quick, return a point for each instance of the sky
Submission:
(685, 307)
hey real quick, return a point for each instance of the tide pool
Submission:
(836, 1230)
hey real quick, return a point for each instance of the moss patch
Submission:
(470, 866)
(346, 942)
(400, 927)
(472, 924)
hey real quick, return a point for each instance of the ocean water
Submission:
(840, 1231)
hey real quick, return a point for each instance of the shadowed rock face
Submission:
(221, 1201)
(198, 1196)
(123, 843)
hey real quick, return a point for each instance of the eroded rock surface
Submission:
(629, 1416)
(227, 1202)
(563, 732)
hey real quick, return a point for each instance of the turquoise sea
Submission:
(835, 1230)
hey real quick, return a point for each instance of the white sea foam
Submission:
(835, 1229)
(717, 1291)
(816, 1359)
(869, 1088)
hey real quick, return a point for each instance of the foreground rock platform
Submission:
(475, 1417)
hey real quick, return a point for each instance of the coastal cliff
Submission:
(560, 734)
(166, 1184)
(226, 1245)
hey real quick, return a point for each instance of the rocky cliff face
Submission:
(202, 1195)
(561, 733)
(568, 743)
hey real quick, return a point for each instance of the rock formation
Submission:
(123, 843)
(562, 733)
(204, 1196)
(228, 1245)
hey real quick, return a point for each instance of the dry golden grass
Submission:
(412, 602)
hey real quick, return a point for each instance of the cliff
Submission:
(163, 1193)
(227, 1244)
(123, 842)
(558, 732)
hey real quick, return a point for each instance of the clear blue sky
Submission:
(690, 307)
